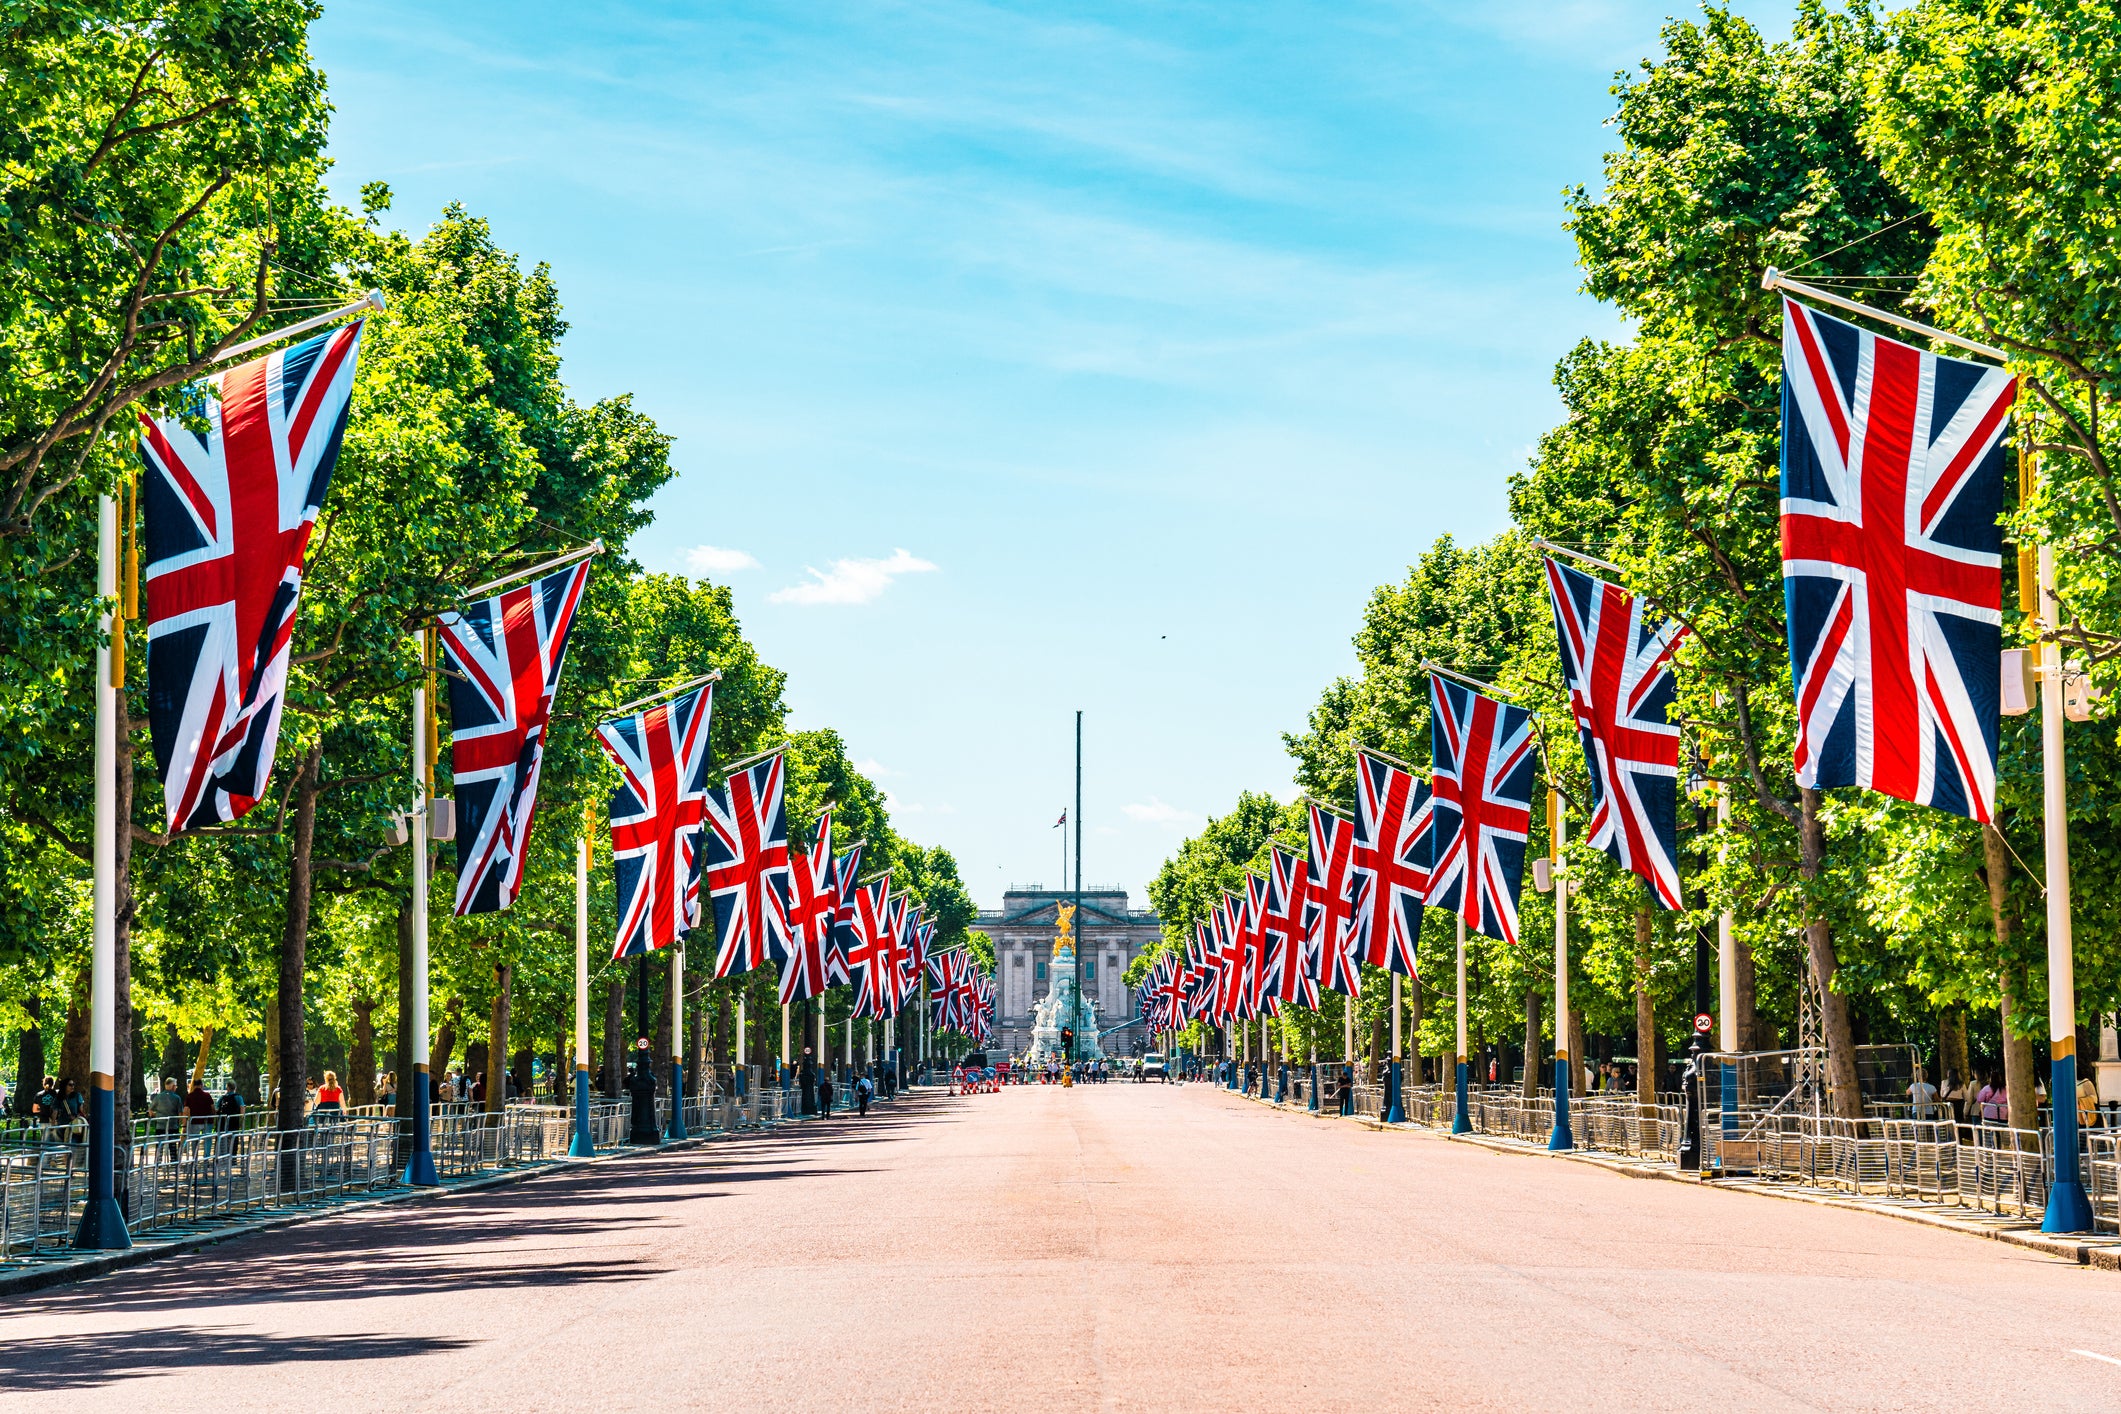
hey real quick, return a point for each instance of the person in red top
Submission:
(331, 1100)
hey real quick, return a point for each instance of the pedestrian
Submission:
(168, 1102)
(198, 1108)
(1922, 1096)
(478, 1089)
(2087, 1101)
(863, 1088)
(327, 1102)
(49, 1111)
(1953, 1097)
(70, 1107)
(1993, 1101)
(229, 1109)
(824, 1092)
(390, 1093)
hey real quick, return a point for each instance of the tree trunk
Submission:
(1378, 1040)
(1749, 1037)
(659, 1036)
(497, 1040)
(73, 1043)
(1843, 1091)
(444, 1048)
(406, 1054)
(1952, 1060)
(292, 1063)
(1414, 1060)
(1579, 1050)
(29, 1058)
(1645, 1010)
(614, 1035)
(2017, 1052)
(361, 1064)
(272, 1049)
(519, 1072)
(1534, 1049)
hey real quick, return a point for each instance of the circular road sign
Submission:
(1703, 1023)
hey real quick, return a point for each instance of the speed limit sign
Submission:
(1703, 1023)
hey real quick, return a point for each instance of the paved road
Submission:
(1119, 1246)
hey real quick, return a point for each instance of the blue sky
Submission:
(1027, 358)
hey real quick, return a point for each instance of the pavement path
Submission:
(1118, 1246)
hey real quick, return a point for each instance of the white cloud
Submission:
(851, 581)
(716, 559)
(874, 769)
(1156, 812)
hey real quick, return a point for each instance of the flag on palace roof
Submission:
(1482, 750)
(1390, 862)
(747, 866)
(1329, 909)
(813, 904)
(1892, 479)
(656, 813)
(228, 521)
(508, 651)
(1619, 670)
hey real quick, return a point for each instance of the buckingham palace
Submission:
(1109, 935)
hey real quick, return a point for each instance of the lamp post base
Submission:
(585, 1144)
(102, 1220)
(676, 1128)
(420, 1164)
(1563, 1137)
(1460, 1123)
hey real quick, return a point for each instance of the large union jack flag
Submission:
(1892, 477)
(873, 960)
(1619, 671)
(1390, 862)
(747, 866)
(1329, 907)
(1482, 751)
(813, 904)
(1283, 979)
(661, 754)
(845, 936)
(507, 651)
(1203, 979)
(228, 520)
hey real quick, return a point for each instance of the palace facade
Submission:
(1109, 935)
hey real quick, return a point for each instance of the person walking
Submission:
(824, 1092)
(168, 1102)
(863, 1088)
(47, 1109)
(327, 1102)
(198, 1109)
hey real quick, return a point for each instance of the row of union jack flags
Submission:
(1892, 480)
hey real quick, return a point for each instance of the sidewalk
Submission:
(2102, 1251)
(36, 1273)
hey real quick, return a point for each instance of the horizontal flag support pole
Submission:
(879, 874)
(753, 759)
(583, 552)
(372, 300)
(1775, 280)
(1328, 807)
(1542, 543)
(1431, 666)
(715, 676)
(1409, 767)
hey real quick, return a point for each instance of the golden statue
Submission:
(1065, 913)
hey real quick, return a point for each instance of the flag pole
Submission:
(1459, 1123)
(585, 1144)
(420, 1164)
(102, 1221)
(1430, 665)
(1563, 1136)
(579, 552)
(676, 1128)
(1775, 280)
(1727, 982)
(372, 300)
(715, 676)
(2068, 1210)
(1396, 1111)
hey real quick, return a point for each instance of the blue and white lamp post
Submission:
(1563, 1136)
(584, 1145)
(2068, 1209)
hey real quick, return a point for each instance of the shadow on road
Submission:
(55, 1364)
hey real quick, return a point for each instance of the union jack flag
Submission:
(983, 1033)
(916, 934)
(1232, 952)
(873, 960)
(1482, 751)
(1892, 476)
(1203, 980)
(507, 651)
(661, 754)
(747, 866)
(228, 520)
(1619, 671)
(1390, 862)
(1329, 908)
(846, 924)
(1172, 993)
(1283, 978)
(943, 981)
(813, 904)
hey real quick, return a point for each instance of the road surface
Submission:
(1120, 1246)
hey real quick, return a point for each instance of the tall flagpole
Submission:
(738, 1069)
(1563, 1136)
(102, 1222)
(1396, 1111)
(1726, 988)
(2068, 1210)
(585, 1144)
(676, 1128)
(420, 1165)
(1460, 1124)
